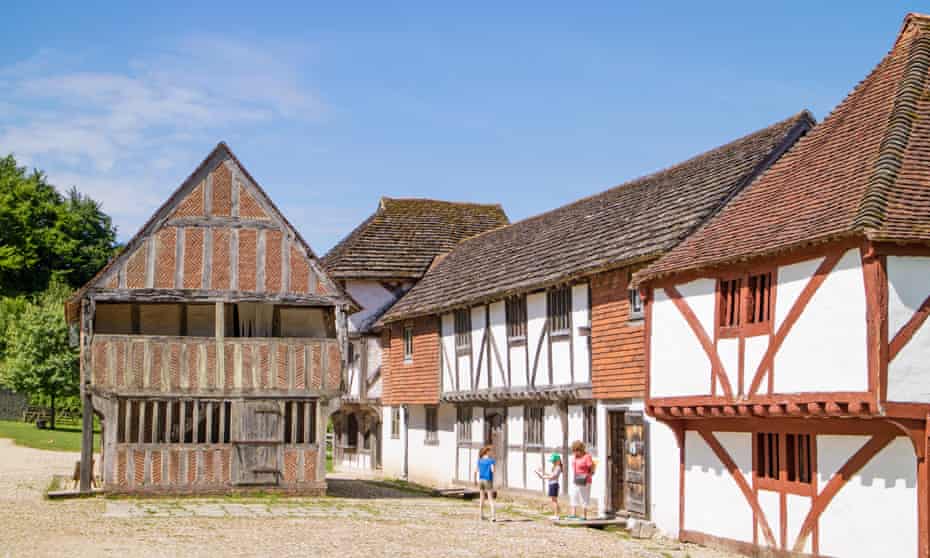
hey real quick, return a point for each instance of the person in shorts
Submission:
(582, 473)
(552, 482)
(484, 474)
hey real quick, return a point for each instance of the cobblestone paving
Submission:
(359, 519)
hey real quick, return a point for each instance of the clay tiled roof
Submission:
(864, 171)
(631, 222)
(403, 236)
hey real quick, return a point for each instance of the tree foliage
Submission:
(45, 234)
(39, 360)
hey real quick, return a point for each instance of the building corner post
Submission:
(87, 417)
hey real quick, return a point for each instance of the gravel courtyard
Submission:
(357, 519)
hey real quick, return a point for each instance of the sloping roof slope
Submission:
(630, 222)
(865, 170)
(403, 236)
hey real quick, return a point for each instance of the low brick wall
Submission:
(12, 405)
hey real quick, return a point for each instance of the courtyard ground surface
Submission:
(358, 518)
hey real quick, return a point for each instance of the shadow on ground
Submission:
(370, 490)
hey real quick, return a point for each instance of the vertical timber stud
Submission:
(923, 495)
(563, 415)
(220, 328)
(87, 418)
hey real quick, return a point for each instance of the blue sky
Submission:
(331, 105)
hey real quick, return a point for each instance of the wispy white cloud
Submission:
(125, 136)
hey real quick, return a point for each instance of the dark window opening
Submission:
(351, 440)
(760, 298)
(395, 423)
(408, 343)
(533, 427)
(463, 420)
(636, 304)
(516, 318)
(730, 302)
(432, 424)
(559, 310)
(589, 425)
(462, 329)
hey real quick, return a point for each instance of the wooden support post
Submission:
(87, 418)
(220, 332)
(563, 415)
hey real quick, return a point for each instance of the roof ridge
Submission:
(435, 200)
(872, 208)
(801, 115)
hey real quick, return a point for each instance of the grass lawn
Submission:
(63, 438)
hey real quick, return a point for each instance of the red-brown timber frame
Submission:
(812, 413)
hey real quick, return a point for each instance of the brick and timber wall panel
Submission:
(193, 258)
(192, 205)
(417, 381)
(165, 250)
(222, 259)
(135, 267)
(222, 191)
(273, 240)
(249, 208)
(617, 344)
(248, 260)
(300, 271)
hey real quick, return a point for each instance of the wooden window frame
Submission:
(408, 343)
(737, 315)
(463, 420)
(559, 311)
(774, 464)
(158, 421)
(515, 309)
(589, 425)
(637, 310)
(431, 420)
(462, 329)
(534, 427)
(395, 423)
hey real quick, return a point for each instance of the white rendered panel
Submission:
(477, 425)
(797, 510)
(714, 504)
(728, 350)
(498, 361)
(664, 474)
(575, 423)
(826, 348)
(534, 462)
(790, 281)
(448, 352)
(770, 504)
(754, 351)
(536, 321)
(908, 287)
(679, 365)
(432, 464)
(552, 427)
(465, 372)
(371, 296)
(561, 362)
(875, 513)
(515, 438)
(581, 318)
(479, 351)
(518, 377)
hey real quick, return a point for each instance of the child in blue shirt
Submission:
(485, 477)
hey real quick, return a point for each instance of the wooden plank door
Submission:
(635, 464)
(260, 443)
(616, 459)
(494, 420)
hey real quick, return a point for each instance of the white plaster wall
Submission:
(714, 503)
(575, 423)
(515, 438)
(498, 360)
(392, 460)
(679, 365)
(479, 361)
(354, 370)
(770, 503)
(797, 509)
(581, 318)
(448, 352)
(826, 348)
(728, 350)
(371, 296)
(663, 476)
(464, 368)
(477, 425)
(561, 362)
(536, 320)
(753, 352)
(552, 427)
(374, 362)
(429, 464)
(875, 513)
(908, 286)
(518, 375)
(535, 460)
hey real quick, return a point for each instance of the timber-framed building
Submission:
(798, 387)
(528, 337)
(377, 263)
(211, 345)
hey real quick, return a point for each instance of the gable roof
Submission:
(632, 222)
(177, 198)
(401, 238)
(863, 171)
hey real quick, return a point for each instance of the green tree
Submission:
(39, 360)
(43, 234)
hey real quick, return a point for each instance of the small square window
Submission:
(395, 423)
(432, 425)
(559, 309)
(462, 329)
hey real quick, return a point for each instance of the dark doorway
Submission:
(627, 452)
(495, 436)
